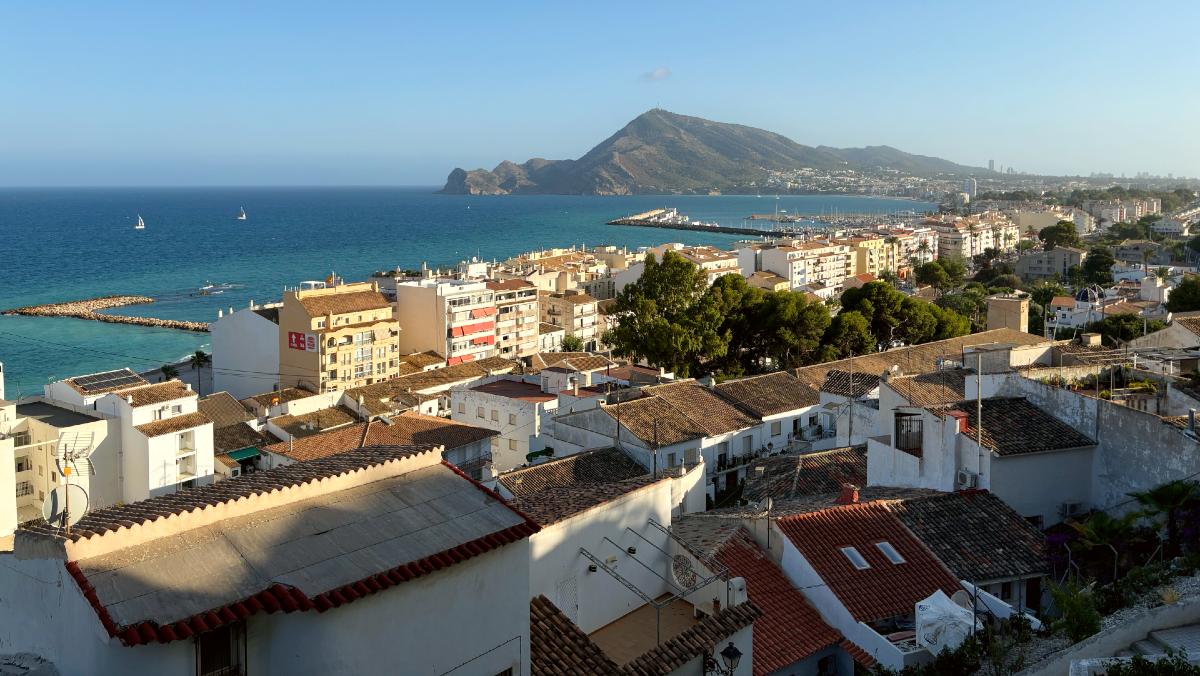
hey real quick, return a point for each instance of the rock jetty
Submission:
(90, 309)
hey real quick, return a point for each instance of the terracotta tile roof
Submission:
(560, 489)
(1012, 425)
(224, 459)
(769, 394)
(652, 419)
(590, 363)
(223, 409)
(145, 395)
(573, 298)
(418, 544)
(542, 360)
(444, 378)
(557, 647)
(977, 535)
(270, 314)
(407, 429)
(1063, 301)
(284, 396)
(884, 589)
(1192, 324)
(241, 435)
(856, 653)
(389, 396)
(943, 386)
(700, 639)
(422, 360)
(518, 390)
(702, 405)
(178, 423)
(789, 629)
(604, 465)
(320, 420)
(807, 504)
(916, 358)
(341, 303)
(793, 476)
(508, 285)
(847, 384)
(546, 327)
(112, 519)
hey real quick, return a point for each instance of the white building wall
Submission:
(245, 354)
(592, 600)
(519, 435)
(1035, 485)
(481, 626)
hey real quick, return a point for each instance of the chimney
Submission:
(962, 419)
(849, 495)
(1192, 420)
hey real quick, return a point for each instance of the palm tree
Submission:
(199, 361)
(169, 371)
(923, 249)
(1168, 499)
(1102, 530)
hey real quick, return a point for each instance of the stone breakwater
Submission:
(90, 309)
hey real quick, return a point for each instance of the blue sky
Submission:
(271, 93)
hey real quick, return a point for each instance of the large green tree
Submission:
(1186, 296)
(892, 316)
(932, 274)
(1124, 327)
(848, 334)
(765, 330)
(661, 318)
(1097, 267)
(1044, 292)
(1062, 233)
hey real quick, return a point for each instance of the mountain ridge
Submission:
(664, 152)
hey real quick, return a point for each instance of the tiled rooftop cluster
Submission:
(560, 489)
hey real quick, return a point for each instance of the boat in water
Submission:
(141, 225)
(241, 213)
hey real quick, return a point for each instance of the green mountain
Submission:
(661, 152)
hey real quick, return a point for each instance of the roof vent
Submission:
(849, 495)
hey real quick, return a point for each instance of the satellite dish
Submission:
(962, 598)
(54, 508)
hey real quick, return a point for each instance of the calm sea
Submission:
(68, 244)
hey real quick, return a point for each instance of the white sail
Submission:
(241, 214)
(141, 225)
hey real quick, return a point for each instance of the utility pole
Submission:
(850, 421)
(654, 448)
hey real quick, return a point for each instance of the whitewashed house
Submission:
(379, 560)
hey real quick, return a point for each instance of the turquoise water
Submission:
(68, 244)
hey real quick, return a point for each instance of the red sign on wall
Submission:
(302, 342)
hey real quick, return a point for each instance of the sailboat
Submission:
(241, 214)
(141, 225)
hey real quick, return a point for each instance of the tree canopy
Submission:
(1062, 233)
(1124, 327)
(1186, 296)
(893, 316)
(1097, 267)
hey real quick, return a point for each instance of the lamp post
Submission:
(730, 657)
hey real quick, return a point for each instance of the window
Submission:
(670, 460)
(908, 432)
(747, 444)
(495, 443)
(23, 464)
(512, 418)
(479, 412)
(512, 444)
(856, 559)
(21, 439)
(462, 408)
(332, 374)
(890, 552)
(177, 409)
(495, 415)
(776, 428)
(362, 370)
(219, 651)
(320, 323)
(24, 488)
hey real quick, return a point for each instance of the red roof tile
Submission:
(884, 589)
(789, 629)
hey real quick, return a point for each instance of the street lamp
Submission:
(730, 656)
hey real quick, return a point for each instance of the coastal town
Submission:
(856, 448)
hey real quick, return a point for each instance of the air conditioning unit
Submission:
(967, 479)
(1067, 509)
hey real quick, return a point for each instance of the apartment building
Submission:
(1049, 264)
(513, 408)
(867, 252)
(576, 312)
(454, 318)
(337, 337)
(817, 265)
(966, 239)
(517, 317)
(245, 350)
(712, 261)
